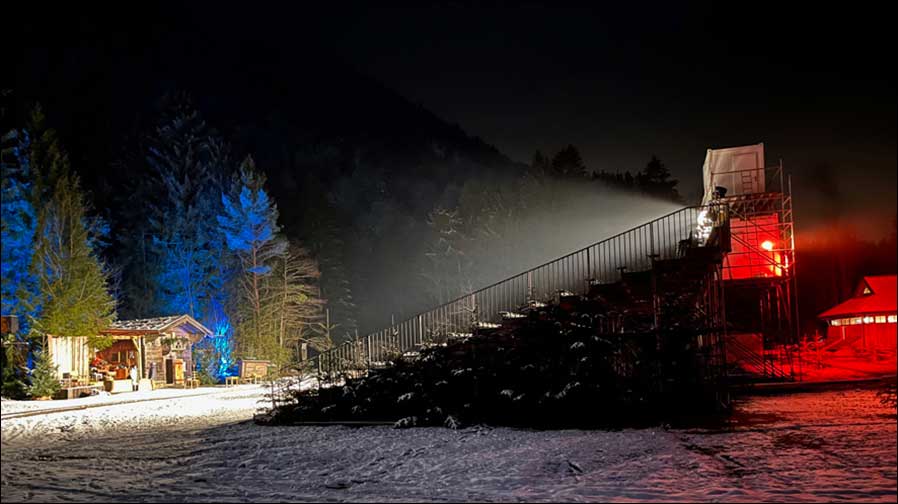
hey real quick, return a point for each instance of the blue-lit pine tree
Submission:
(274, 293)
(183, 259)
(187, 171)
(184, 202)
(249, 226)
(18, 288)
(172, 257)
(18, 284)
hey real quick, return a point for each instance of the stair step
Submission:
(630, 299)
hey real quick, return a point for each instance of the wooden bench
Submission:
(251, 379)
(191, 383)
(232, 380)
(78, 391)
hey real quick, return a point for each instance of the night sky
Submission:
(621, 84)
(624, 84)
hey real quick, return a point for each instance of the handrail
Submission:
(633, 249)
(618, 235)
(759, 361)
(773, 175)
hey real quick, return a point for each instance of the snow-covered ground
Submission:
(10, 407)
(836, 445)
(182, 408)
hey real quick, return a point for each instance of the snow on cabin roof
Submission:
(874, 294)
(157, 325)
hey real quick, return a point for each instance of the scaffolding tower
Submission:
(759, 265)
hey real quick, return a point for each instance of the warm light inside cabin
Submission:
(867, 319)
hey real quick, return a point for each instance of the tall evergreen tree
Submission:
(73, 280)
(18, 220)
(448, 270)
(249, 226)
(655, 180)
(568, 163)
(322, 231)
(274, 293)
(539, 165)
(19, 291)
(133, 252)
(173, 257)
(47, 158)
(186, 162)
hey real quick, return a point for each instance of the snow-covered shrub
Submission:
(43, 377)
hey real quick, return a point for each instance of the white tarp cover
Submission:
(739, 169)
(70, 354)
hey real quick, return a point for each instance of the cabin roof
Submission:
(873, 295)
(157, 325)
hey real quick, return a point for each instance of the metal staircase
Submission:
(749, 365)
(619, 260)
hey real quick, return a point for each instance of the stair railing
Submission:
(632, 250)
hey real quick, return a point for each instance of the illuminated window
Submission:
(835, 322)
(880, 319)
(856, 321)
(868, 319)
(867, 290)
(893, 319)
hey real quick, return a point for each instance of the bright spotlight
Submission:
(767, 245)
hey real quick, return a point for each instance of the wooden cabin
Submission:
(9, 324)
(867, 320)
(160, 347)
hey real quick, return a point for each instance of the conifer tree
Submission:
(655, 180)
(73, 282)
(187, 163)
(321, 231)
(448, 270)
(540, 165)
(18, 284)
(44, 382)
(567, 163)
(172, 255)
(249, 226)
(18, 220)
(274, 293)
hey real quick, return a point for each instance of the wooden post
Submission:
(136, 341)
(368, 350)
(588, 268)
(474, 308)
(141, 358)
